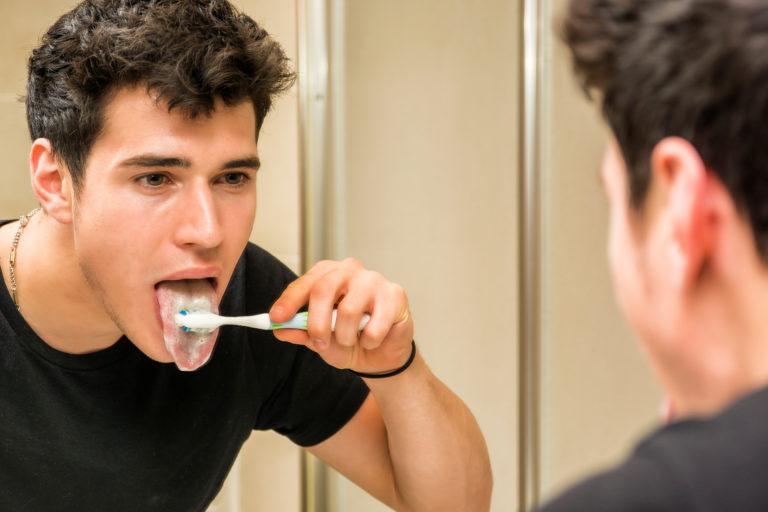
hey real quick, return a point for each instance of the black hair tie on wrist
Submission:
(393, 372)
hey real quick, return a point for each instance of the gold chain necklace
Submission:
(23, 221)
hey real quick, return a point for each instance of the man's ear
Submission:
(686, 184)
(51, 181)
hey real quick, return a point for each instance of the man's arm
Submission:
(428, 454)
(413, 444)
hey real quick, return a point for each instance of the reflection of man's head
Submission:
(697, 70)
(684, 88)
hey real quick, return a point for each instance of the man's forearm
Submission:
(438, 454)
(413, 444)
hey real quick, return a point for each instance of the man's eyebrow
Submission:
(252, 162)
(155, 161)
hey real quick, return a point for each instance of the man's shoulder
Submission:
(258, 279)
(642, 482)
(257, 261)
(718, 463)
(724, 457)
(736, 433)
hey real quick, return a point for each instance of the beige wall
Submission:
(267, 475)
(18, 37)
(430, 152)
(598, 395)
(278, 214)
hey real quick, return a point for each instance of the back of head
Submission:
(187, 53)
(697, 69)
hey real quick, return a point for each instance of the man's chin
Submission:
(154, 350)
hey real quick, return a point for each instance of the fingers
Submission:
(353, 291)
(295, 336)
(297, 293)
(320, 288)
(357, 302)
(338, 355)
(390, 309)
(322, 299)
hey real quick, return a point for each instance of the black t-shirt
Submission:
(114, 430)
(705, 465)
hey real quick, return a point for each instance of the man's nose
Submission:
(199, 223)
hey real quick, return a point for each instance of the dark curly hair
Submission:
(697, 69)
(188, 53)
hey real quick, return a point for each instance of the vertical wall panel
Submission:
(431, 160)
(17, 39)
(598, 395)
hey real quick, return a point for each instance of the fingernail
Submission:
(320, 344)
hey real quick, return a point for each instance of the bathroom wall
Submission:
(429, 138)
(598, 396)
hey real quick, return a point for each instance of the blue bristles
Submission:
(184, 327)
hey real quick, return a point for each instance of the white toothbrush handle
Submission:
(212, 321)
(261, 321)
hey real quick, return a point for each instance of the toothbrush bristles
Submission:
(184, 327)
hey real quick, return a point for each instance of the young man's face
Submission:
(165, 198)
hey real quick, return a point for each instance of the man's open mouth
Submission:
(190, 350)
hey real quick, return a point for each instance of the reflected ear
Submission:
(687, 184)
(51, 181)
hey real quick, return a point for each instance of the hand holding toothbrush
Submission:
(385, 342)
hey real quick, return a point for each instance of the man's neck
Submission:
(724, 353)
(53, 295)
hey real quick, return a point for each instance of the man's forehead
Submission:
(140, 131)
(139, 101)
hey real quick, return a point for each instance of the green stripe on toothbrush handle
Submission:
(297, 322)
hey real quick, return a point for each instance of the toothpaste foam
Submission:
(190, 350)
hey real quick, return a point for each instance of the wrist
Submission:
(390, 373)
(391, 391)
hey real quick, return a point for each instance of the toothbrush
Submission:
(204, 322)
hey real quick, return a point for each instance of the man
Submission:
(144, 117)
(684, 87)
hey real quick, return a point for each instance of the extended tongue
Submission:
(190, 350)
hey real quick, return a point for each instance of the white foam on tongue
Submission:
(190, 350)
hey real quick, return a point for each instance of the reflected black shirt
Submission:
(114, 430)
(704, 465)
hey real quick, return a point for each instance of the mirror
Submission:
(414, 132)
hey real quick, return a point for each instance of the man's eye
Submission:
(235, 178)
(154, 180)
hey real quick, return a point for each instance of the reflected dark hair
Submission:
(188, 53)
(697, 69)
